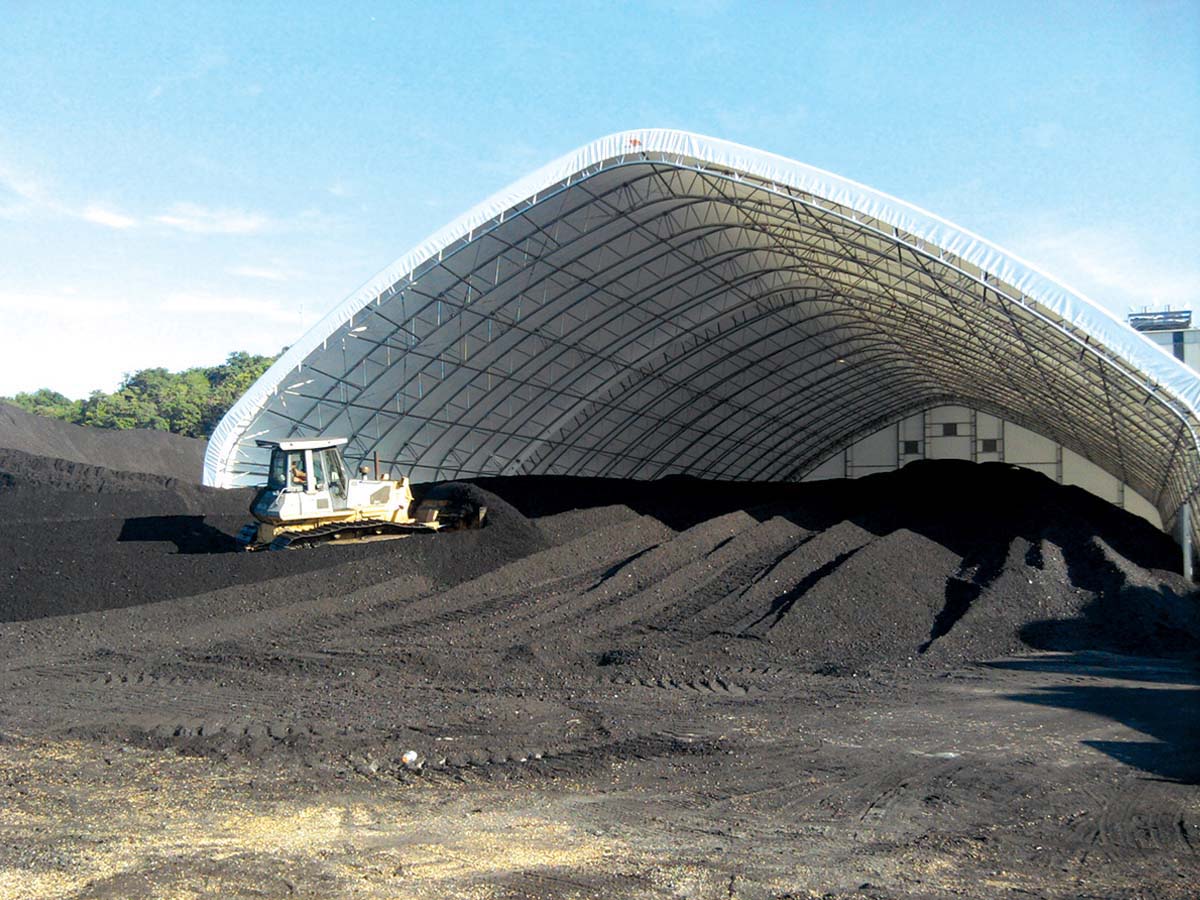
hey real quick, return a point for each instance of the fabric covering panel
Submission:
(664, 311)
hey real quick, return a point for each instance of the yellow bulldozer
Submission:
(310, 499)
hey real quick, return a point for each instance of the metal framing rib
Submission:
(695, 307)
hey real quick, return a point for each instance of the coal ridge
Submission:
(70, 553)
(135, 450)
(875, 571)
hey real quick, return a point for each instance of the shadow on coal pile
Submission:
(970, 508)
(1126, 619)
(189, 534)
(1170, 715)
(959, 561)
(1133, 611)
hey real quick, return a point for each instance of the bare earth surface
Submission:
(1046, 776)
(678, 690)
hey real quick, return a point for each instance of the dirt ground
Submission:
(1051, 775)
(608, 692)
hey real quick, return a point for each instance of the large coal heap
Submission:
(63, 553)
(28, 470)
(941, 561)
(153, 452)
(969, 507)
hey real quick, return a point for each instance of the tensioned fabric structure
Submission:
(659, 302)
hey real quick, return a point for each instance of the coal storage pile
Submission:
(169, 456)
(65, 553)
(27, 470)
(943, 561)
(936, 564)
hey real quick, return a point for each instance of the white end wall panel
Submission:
(1024, 448)
(882, 452)
(834, 467)
(1140, 506)
(957, 447)
(1090, 477)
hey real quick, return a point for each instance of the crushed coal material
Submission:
(884, 570)
(136, 450)
(73, 552)
(676, 660)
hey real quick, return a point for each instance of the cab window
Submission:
(333, 467)
(278, 478)
(319, 482)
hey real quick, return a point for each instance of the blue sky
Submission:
(180, 181)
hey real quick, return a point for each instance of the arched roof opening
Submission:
(659, 302)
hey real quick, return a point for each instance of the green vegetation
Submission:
(190, 402)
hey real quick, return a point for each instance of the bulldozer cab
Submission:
(308, 467)
(329, 473)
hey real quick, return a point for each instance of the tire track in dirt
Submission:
(1143, 817)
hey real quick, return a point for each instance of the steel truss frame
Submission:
(654, 314)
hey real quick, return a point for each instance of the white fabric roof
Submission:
(660, 302)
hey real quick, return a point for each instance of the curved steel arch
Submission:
(661, 302)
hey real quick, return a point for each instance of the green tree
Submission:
(122, 410)
(190, 402)
(229, 381)
(45, 402)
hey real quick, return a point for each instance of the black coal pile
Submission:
(153, 452)
(20, 469)
(93, 520)
(68, 553)
(938, 563)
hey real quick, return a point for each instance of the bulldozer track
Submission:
(349, 532)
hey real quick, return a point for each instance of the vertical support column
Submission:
(1185, 539)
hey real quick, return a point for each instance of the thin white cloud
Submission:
(1110, 265)
(264, 273)
(98, 215)
(205, 63)
(20, 194)
(196, 219)
(209, 303)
